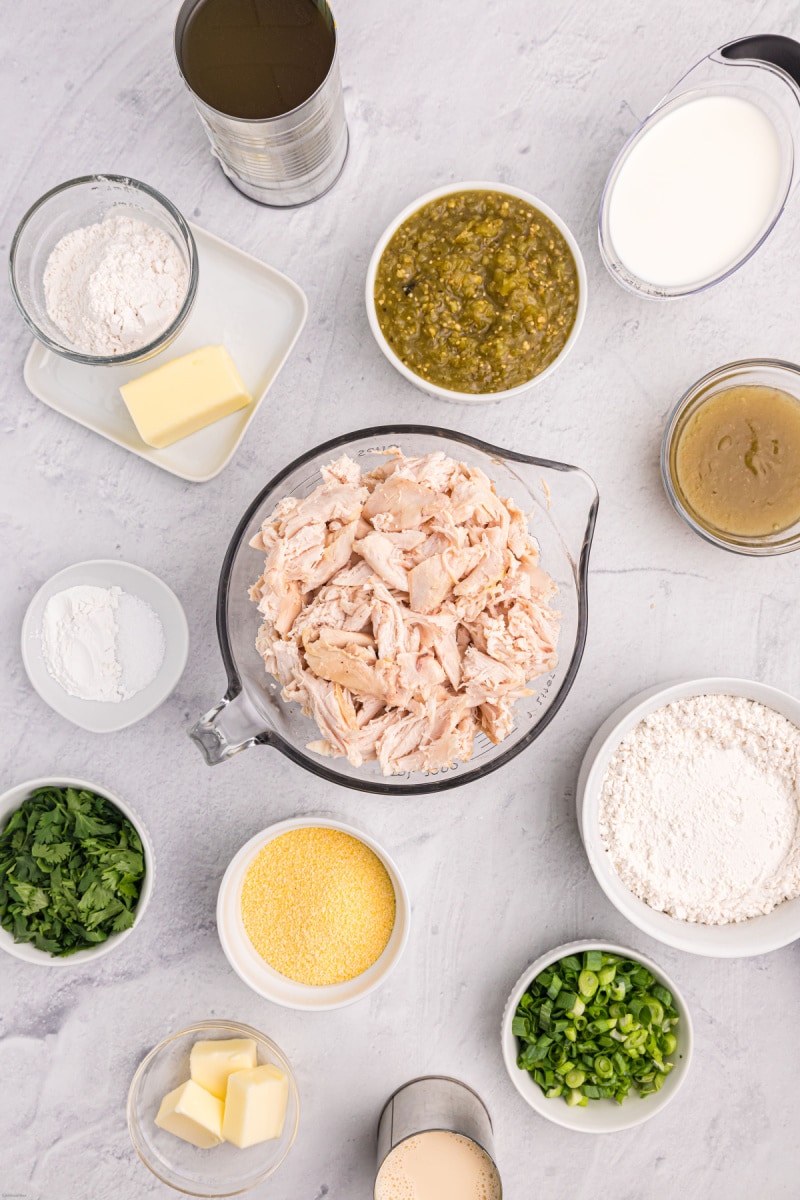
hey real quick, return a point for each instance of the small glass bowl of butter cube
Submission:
(213, 1110)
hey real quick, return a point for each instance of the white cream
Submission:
(696, 191)
(437, 1165)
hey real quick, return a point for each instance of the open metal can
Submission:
(282, 160)
(436, 1104)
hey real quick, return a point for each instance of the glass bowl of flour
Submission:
(104, 270)
(689, 809)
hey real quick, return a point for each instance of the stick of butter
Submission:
(255, 1106)
(185, 395)
(192, 1113)
(210, 1063)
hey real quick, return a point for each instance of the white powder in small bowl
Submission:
(700, 809)
(101, 643)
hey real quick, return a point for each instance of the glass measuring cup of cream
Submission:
(703, 180)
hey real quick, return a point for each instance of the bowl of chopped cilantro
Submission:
(596, 1037)
(76, 871)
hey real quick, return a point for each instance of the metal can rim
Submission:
(184, 13)
(447, 1079)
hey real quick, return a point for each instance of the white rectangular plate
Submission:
(241, 303)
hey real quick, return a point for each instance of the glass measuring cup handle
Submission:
(231, 726)
(773, 48)
(570, 492)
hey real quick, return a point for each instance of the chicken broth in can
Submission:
(264, 77)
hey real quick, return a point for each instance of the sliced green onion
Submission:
(601, 1025)
(555, 987)
(662, 994)
(596, 1028)
(587, 983)
(656, 1010)
(603, 1066)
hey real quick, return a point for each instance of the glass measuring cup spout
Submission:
(561, 504)
(753, 135)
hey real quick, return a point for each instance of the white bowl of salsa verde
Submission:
(476, 291)
(603, 1115)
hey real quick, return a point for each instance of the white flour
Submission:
(699, 809)
(115, 286)
(101, 643)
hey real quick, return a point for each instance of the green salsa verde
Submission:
(477, 292)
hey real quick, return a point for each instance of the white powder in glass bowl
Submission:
(113, 287)
(700, 809)
(101, 643)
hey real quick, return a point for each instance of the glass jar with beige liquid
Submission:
(731, 457)
(435, 1143)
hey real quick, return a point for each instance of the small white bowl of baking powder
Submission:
(616, 794)
(104, 643)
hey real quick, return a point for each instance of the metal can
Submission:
(435, 1103)
(285, 160)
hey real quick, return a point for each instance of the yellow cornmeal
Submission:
(318, 905)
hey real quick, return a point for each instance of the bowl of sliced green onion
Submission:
(596, 1037)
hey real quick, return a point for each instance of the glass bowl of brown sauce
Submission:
(730, 458)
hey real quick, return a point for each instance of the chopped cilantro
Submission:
(71, 871)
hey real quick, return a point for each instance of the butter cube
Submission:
(192, 1113)
(255, 1106)
(211, 1063)
(184, 395)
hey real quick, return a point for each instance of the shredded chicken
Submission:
(404, 609)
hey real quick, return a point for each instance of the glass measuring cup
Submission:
(762, 69)
(562, 501)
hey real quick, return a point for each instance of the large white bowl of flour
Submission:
(689, 809)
